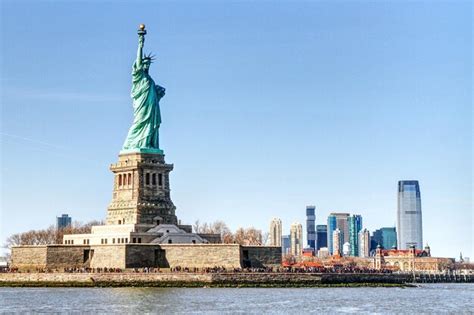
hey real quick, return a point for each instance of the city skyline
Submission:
(355, 98)
(340, 224)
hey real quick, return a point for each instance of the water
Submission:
(425, 299)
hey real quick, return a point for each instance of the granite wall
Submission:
(60, 257)
(145, 255)
(261, 256)
(108, 256)
(29, 257)
(48, 256)
(202, 255)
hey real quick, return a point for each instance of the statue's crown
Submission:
(149, 57)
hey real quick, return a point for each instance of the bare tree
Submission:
(239, 236)
(205, 228)
(228, 238)
(51, 235)
(248, 236)
(265, 238)
(253, 236)
(217, 227)
(13, 240)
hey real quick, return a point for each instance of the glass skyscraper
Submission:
(409, 224)
(355, 226)
(321, 236)
(63, 221)
(285, 244)
(385, 237)
(310, 226)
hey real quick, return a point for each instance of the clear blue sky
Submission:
(270, 106)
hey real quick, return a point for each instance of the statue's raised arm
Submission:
(141, 42)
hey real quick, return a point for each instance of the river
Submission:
(426, 298)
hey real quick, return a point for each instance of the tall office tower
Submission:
(409, 224)
(364, 243)
(296, 238)
(321, 236)
(336, 242)
(385, 237)
(355, 226)
(285, 244)
(275, 232)
(63, 221)
(337, 221)
(310, 227)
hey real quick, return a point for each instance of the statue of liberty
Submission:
(143, 135)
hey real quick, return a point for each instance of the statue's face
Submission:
(146, 65)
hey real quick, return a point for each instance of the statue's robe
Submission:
(144, 132)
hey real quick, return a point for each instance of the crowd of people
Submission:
(216, 269)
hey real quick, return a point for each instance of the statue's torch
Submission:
(141, 30)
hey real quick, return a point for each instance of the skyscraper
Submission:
(275, 232)
(409, 223)
(310, 227)
(63, 221)
(321, 236)
(285, 244)
(337, 221)
(336, 242)
(364, 243)
(296, 238)
(385, 237)
(355, 226)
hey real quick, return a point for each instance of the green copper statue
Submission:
(143, 135)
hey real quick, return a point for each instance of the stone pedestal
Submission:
(141, 192)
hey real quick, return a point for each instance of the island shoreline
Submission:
(195, 280)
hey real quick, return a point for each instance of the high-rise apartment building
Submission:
(355, 226)
(310, 227)
(321, 236)
(275, 232)
(63, 221)
(409, 222)
(296, 238)
(364, 243)
(337, 221)
(385, 237)
(336, 242)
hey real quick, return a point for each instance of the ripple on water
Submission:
(429, 298)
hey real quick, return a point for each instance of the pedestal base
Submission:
(141, 192)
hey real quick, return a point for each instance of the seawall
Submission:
(198, 279)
